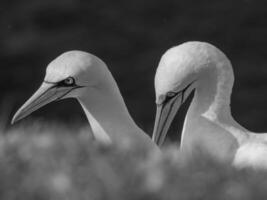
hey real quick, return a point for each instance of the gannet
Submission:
(80, 75)
(202, 68)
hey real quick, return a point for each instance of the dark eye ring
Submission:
(170, 94)
(69, 81)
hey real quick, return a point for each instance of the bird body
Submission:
(80, 75)
(203, 69)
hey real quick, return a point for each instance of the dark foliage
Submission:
(130, 36)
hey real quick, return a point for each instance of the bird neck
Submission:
(108, 115)
(212, 98)
(213, 93)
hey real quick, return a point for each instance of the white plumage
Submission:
(204, 69)
(83, 76)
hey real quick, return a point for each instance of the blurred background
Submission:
(131, 36)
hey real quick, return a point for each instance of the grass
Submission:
(49, 161)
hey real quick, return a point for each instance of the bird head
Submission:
(66, 77)
(183, 69)
(175, 79)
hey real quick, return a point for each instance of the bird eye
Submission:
(69, 81)
(170, 94)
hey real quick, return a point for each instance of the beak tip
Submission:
(44, 95)
(14, 120)
(155, 139)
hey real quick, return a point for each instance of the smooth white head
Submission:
(69, 75)
(191, 66)
(79, 71)
(80, 75)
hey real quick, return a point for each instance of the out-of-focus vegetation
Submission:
(130, 36)
(44, 161)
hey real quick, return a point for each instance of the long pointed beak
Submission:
(164, 117)
(44, 95)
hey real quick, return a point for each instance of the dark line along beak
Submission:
(165, 115)
(48, 92)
